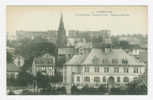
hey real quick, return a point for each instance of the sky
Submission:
(118, 19)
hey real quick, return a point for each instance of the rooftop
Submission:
(12, 68)
(96, 57)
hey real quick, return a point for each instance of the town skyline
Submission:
(134, 19)
(85, 62)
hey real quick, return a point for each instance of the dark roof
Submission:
(44, 56)
(12, 68)
(98, 55)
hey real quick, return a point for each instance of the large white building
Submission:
(107, 66)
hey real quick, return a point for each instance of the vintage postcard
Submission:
(77, 50)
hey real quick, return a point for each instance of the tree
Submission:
(30, 49)
(124, 44)
(11, 81)
(102, 89)
(137, 87)
(9, 57)
(42, 80)
(24, 78)
(56, 78)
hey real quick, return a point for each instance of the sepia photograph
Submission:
(77, 50)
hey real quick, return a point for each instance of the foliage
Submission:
(137, 87)
(56, 78)
(34, 48)
(27, 92)
(24, 78)
(53, 91)
(118, 91)
(9, 57)
(42, 80)
(60, 61)
(11, 81)
(11, 93)
(89, 90)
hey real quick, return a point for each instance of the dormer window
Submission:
(124, 61)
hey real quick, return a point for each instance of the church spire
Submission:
(61, 25)
(61, 35)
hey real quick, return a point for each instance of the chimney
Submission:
(107, 45)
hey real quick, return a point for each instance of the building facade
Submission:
(12, 70)
(19, 61)
(107, 66)
(44, 64)
(50, 35)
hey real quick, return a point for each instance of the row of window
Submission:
(45, 68)
(107, 69)
(97, 79)
(124, 61)
(49, 61)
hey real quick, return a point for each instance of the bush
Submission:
(115, 91)
(89, 90)
(11, 93)
(27, 92)
(53, 91)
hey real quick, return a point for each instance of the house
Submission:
(107, 66)
(12, 70)
(19, 61)
(44, 64)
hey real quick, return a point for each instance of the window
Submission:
(118, 79)
(50, 61)
(135, 70)
(126, 79)
(105, 61)
(115, 61)
(81, 51)
(19, 63)
(96, 79)
(97, 69)
(87, 79)
(79, 69)
(78, 78)
(126, 70)
(116, 70)
(106, 69)
(124, 61)
(104, 79)
(86, 69)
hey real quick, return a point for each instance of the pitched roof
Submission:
(97, 55)
(12, 68)
(44, 56)
(76, 60)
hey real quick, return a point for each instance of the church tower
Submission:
(61, 34)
